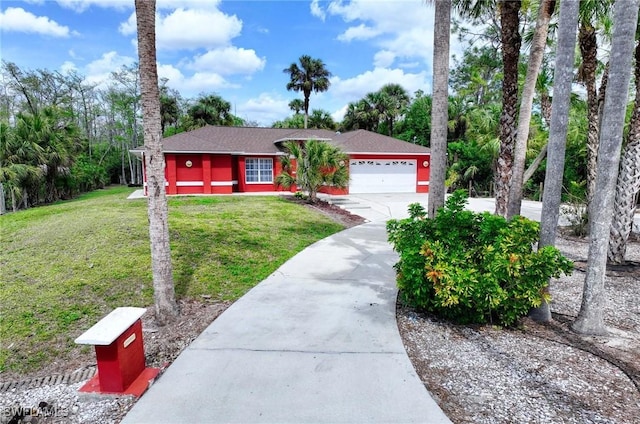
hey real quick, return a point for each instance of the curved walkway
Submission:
(316, 342)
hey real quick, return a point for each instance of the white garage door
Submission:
(382, 176)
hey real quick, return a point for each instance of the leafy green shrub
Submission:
(472, 267)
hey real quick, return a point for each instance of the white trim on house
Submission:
(189, 183)
(351, 154)
(423, 183)
(222, 183)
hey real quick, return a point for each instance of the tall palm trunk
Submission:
(524, 117)
(628, 183)
(562, 81)
(511, 41)
(440, 106)
(591, 316)
(306, 108)
(163, 290)
(589, 51)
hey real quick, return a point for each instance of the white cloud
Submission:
(338, 115)
(80, 6)
(265, 109)
(175, 78)
(196, 4)
(409, 65)
(383, 59)
(403, 32)
(386, 16)
(68, 67)
(355, 88)
(229, 61)
(401, 29)
(16, 19)
(129, 26)
(99, 71)
(412, 43)
(360, 32)
(190, 86)
(317, 11)
(190, 29)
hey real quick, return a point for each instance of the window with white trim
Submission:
(258, 170)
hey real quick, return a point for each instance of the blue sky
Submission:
(234, 48)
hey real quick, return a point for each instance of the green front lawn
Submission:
(64, 266)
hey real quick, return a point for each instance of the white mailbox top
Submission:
(111, 327)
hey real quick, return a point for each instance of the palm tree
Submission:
(296, 105)
(439, 106)
(210, 110)
(628, 184)
(524, 116)
(57, 139)
(361, 115)
(19, 166)
(311, 75)
(166, 308)
(169, 106)
(318, 164)
(594, 18)
(511, 41)
(321, 119)
(395, 101)
(563, 79)
(591, 316)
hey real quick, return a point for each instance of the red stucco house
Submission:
(221, 160)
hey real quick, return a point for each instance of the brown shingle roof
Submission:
(362, 141)
(254, 140)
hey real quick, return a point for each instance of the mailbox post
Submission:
(120, 354)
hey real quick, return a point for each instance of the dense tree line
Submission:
(61, 135)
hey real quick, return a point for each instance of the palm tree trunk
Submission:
(163, 290)
(3, 206)
(511, 41)
(589, 50)
(591, 316)
(440, 106)
(628, 183)
(562, 80)
(524, 117)
(535, 164)
(306, 109)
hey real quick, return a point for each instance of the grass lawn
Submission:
(64, 266)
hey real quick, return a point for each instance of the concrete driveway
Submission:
(382, 207)
(378, 207)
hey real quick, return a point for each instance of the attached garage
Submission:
(224, 160)
(382, 176)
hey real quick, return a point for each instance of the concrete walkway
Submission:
(316, 342)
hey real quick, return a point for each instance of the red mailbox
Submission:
(120, 354)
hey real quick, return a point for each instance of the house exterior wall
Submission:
(198, 174)
(254, 187)
(224, 174)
